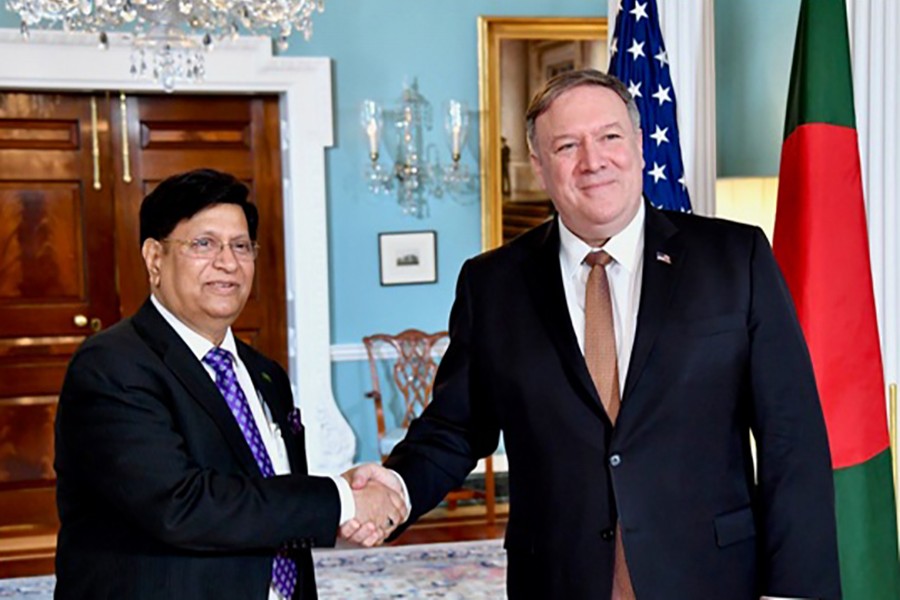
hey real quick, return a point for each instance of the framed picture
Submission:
(408, 257)
(517, 56)
(556, 57)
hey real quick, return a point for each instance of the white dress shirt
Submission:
(624, 275)
(269, 430)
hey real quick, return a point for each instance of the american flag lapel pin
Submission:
(664, 258)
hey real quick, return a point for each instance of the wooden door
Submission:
(56, 231)
(73, 171)
(172, 134)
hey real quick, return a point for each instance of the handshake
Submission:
(380, 505)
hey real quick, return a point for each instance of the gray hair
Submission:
(558, 85)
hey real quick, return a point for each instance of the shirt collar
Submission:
(198, 344)
(624, 247)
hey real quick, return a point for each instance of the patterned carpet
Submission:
(458, 571)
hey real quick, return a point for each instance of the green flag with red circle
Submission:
(821, 244)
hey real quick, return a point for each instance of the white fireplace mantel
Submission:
(58, 61)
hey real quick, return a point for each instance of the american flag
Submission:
(638, 58)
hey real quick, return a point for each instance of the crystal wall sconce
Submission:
(414, 170)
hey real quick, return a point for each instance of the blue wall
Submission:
(754, 46)
(378, 45)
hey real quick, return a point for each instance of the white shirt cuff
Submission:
(348, 504)
(405, 492)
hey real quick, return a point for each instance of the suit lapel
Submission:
(664, 257)
(279, 407)
(151, 326)
(544, 279)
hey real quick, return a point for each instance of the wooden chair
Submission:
(412, 374)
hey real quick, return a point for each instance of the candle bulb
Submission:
(372, 132)
(455, 123)
(456, 133)
(370, 119)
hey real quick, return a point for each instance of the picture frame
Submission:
(557, 56)
(408, 257)
(516, 56)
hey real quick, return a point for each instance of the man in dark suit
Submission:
(640, 485)
(179, 453)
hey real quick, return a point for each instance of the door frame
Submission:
(53, 60)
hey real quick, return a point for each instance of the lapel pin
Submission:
(266, 377)
(295, 422)
(664, 258)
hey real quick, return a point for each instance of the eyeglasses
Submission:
(210, 247)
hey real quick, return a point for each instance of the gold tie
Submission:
(602, 363)
(599, 335)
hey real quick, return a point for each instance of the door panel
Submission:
(35, 134)
(163, 135)
(40, 237)
(266, 326)
(56, 231)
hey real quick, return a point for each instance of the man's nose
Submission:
(593, 157)
(226, 258)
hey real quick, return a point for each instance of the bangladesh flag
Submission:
(822, 246)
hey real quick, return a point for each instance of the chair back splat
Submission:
(413, 353)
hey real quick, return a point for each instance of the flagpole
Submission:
(892, 427)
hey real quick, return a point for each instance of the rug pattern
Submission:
(458, 571)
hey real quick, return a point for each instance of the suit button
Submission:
(607, 535)
(615, 460)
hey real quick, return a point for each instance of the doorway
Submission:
(73, 170)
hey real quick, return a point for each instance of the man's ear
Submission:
(152, 253)
(538, 168)
(640, 144)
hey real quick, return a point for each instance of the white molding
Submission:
(58, 61)
(350, 352)
(357, 352)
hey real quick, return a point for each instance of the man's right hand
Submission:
(379, 510)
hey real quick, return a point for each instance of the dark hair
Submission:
(556, 86)
(182, 196)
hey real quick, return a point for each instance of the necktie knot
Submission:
(597, 257)
(219, 359)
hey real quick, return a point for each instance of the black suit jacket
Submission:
(159, 495)
(718, 352)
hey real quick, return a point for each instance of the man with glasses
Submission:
(179, 453)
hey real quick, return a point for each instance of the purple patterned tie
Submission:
(284, 570)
